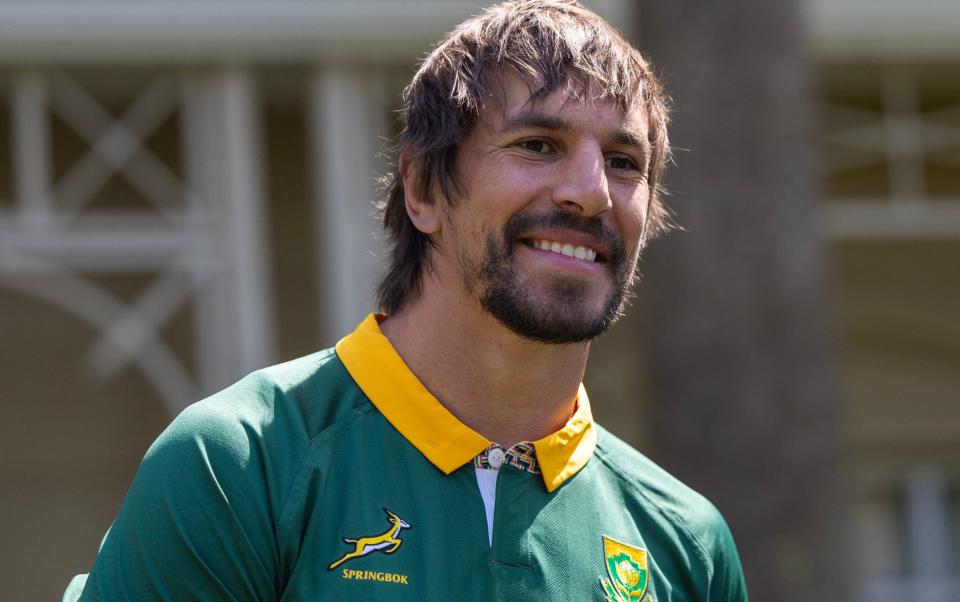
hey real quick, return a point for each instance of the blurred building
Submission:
(890, 139)
(186, 194)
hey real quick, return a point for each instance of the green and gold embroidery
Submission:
(627, 572)
(386, 542)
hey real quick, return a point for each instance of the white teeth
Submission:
(580, 252)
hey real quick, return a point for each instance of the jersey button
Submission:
(496, 458)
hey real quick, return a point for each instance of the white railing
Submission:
(903, 138)
(200, 238)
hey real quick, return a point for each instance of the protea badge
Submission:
(627, 572)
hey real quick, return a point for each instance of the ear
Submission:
(424, 211)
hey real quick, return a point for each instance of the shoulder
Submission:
(210, 498)
(292, 402)
(255, 433)
(682, 515)
(681, 505)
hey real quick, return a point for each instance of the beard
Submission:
(566, 311)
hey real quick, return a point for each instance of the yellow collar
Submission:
(384, 378)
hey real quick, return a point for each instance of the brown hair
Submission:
(549, 43)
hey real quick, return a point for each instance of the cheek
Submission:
(467, 234)
(633, 216)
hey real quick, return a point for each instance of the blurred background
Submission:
(185, 196)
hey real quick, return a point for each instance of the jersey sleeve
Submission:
(727, 583)
(197, 522)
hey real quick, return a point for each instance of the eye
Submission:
(536, 145)
(621, 163)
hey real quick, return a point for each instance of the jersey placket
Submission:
(519, 492)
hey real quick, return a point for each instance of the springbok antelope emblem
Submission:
(386, 542)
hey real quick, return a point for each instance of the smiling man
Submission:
(445, 450)
(563, 183)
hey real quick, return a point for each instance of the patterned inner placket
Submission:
(522, 456)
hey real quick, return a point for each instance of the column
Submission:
(348, 119)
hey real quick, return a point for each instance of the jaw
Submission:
(558, 288)
(539, 295)
(551, 309)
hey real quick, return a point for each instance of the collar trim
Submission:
(386, 380)
(563, 453)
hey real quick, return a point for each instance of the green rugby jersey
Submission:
(338, 476)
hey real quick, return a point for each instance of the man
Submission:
(445, 449)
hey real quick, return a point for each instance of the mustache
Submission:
(592, 226)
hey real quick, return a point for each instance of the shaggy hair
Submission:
(550, 44)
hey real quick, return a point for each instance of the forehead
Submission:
(512, 97)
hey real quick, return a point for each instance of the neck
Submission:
(503, 386)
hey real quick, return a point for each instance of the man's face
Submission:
(547, 230)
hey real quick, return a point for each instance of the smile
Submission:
(567, 249)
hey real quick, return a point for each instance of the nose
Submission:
(582, 186)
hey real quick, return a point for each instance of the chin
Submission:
(560, 317)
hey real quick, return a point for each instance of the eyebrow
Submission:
(539, 121)
(527, 121)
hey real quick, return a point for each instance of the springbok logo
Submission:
(387, 542)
